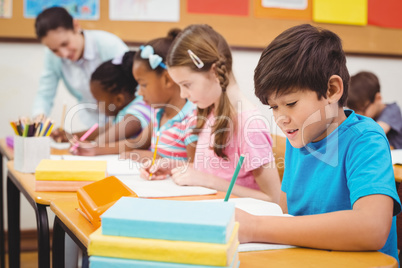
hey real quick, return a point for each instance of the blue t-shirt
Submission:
(332, 174)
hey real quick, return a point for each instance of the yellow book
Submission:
(70, 170)
(164, 250)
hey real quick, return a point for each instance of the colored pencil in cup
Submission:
(14, 126)
(154, 157)
(234, 178)
(85, 136)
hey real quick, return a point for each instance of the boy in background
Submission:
(338, 180)
(365, 99)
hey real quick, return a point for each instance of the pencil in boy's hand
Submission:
(154, 157)
(85, 136)
(234, 178)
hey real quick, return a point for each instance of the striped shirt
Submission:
(176, 133)
(139, 109)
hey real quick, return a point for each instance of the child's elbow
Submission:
(376, 240)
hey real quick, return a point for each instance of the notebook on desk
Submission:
(260, 208)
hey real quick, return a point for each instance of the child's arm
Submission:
(192, 177)
(191, 151)
(384, 126)
(142, 141)
(365, 227)
(126, 128)
(62, 136)
(267, 178)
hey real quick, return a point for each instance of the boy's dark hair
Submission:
(363, 88)
(117, 78)
(301, 58)
(161, 47)
(51, 19)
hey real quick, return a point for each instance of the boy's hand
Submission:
(246, 222)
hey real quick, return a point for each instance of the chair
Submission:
(278, 148)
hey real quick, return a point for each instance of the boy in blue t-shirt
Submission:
(338, 179)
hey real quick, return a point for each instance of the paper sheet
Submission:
(115, 166)
(144, 10)
(261, 208)
(396, 156)
(59, 145)
(161, 188)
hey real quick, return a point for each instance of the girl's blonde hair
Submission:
(211, 48)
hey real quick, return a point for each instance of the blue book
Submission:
(210, 222)
(106, 262)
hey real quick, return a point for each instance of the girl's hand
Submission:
(86, 151)
(59, 135)
(186, 175)
(84, 148)
(160, 170)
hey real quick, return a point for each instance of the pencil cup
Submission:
(29, 151)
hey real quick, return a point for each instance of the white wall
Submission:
(21, 64)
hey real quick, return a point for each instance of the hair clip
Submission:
(147, 52)
(118, 59)
(196, 60)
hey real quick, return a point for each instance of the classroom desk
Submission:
(24, 183)
(398, 173)
(8, 153)
(70, 221)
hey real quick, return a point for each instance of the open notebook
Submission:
(128, 172)
(257, 207)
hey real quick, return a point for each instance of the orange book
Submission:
(97, 197)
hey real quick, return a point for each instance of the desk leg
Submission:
(2, 254)
(43, 236)
(58, 244)
(85, 259)
(13, 212)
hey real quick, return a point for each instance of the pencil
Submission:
(85, 136)
(14, 126)
(234, 178)
(45, 126)
(63, 116)
(49, 130)
(154, 157)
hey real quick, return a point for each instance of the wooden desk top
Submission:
(27, 181)
(65, 209)
(398, 173)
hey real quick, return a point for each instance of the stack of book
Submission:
(139, 232)
(66, 175)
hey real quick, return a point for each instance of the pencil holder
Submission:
(29, 151)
